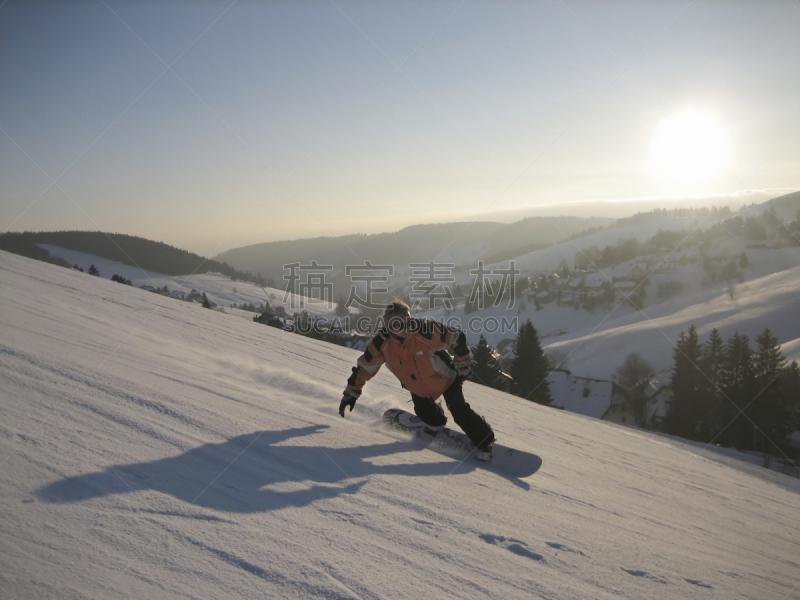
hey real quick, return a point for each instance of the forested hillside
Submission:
(130, 250)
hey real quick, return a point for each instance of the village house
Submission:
(194, 296)
(625, 287)
(656, 407)
(668, 262)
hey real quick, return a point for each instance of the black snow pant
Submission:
(474, 425)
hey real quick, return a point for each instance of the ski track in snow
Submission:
(151, 448)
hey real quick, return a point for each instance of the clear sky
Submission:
(214, 124)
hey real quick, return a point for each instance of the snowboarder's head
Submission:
(396, 318)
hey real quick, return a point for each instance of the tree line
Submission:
(527, 376)
(723, 391)
(726, 392)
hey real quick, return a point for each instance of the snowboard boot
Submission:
(484, 452)
(432, 430)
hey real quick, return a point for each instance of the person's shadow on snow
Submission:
(250, 473)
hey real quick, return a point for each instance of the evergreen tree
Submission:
(486, 364)
(713, 353)
(94, 271)
(769, 360)
(206, 303)
(682, 417)
(770, 404)
(736, 390)
(708, 407)
(634, 376)
(790, 386)
(121, 279)
(529, 369)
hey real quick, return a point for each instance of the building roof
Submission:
(590, 397)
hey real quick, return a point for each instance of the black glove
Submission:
(348, 399)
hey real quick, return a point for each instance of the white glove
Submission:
(463, 370)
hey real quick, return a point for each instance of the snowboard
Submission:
(511, 461)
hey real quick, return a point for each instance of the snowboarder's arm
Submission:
(442, 337)
(461, 358)
(367, 365)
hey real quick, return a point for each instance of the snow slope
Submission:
(219, 288)
(770, 301)
(151, 448)
(595, 343)
(549, 259)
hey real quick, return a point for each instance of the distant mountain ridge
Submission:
(786, 207)
(444, 242)
(461, 243)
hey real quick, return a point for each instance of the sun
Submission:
(691, 147)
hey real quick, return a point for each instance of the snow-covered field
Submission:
(549, 259)
(597, 343)
(771, 301)
(219, 288)
(151, 448)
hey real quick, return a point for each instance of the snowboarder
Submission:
(430, 360)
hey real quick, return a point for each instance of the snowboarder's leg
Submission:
(474, 425)
(429, 411)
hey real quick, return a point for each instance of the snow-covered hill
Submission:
(596, 343)
(551, 257)
(220, 289)
(771, 301)
(151, 448)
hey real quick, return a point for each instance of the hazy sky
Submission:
(210, 125)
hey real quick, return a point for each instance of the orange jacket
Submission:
(422, 361)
